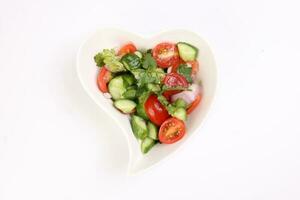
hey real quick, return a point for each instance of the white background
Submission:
(55, 143)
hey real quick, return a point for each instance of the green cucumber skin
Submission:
(152, 131)
(183, 47)
(131, 61)
(180, 113)
(180, 103)
(140, 107)
(147, 144)
(125, 105)
(141, 111)
(139, 127)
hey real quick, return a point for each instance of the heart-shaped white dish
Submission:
(111, 38)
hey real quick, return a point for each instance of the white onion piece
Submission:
(196, 88)
(169, 70)
(107, 95)
(188, 96)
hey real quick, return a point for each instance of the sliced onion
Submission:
(188, 96)
(196, 88)
(169, 70)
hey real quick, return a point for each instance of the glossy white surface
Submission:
(55, 146)
(112, 38)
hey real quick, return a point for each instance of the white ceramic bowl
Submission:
(111, 38)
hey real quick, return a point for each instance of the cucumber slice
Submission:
(141, 111)
(119, 85)
(139, 54)
(187, 51)
(152, 131)
(147, 144)
(180, 103)
(125, 105)
(180, 113)
(131, 61)
(126, 65)
(130, 94)
(139, 127)
(116, 87)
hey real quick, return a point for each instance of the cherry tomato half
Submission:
(194, 104)
(195, 66)
(173, 80)
(166, 55)
(156, 112)
(127, 48)
(103, 78)
(171, 131)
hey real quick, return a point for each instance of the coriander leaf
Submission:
(111, 61)
(151, 76)
(150, 73)
(98, 58)
(185, 71)
(149, 61)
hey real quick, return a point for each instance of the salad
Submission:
(156, 87)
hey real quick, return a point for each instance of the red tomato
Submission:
(171, 131)
(174, 68)
(195, 66)
(194, 104)
(156, 112)
(166, 55)
(103, 78)
(127, 48)
(173, 80)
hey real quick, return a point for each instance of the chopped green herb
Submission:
(108, 58)
(149, 61)
(98, 58)
(185, 71)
